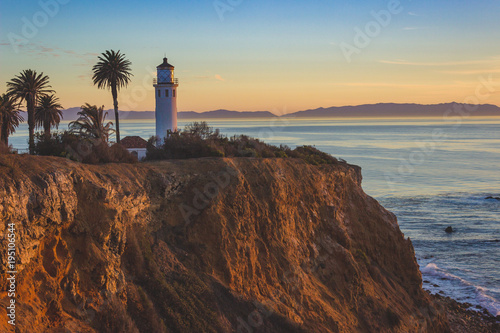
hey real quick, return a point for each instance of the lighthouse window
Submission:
(173, 92)
(159, 93)
(166, 93)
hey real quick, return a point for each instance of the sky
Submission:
(256, 55)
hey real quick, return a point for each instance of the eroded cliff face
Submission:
(205, 245)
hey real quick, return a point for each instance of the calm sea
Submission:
(431, 173)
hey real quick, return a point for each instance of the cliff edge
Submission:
(205, 245)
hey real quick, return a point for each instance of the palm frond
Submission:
(9, 116)
(112, 69)
(91, 123)
(28, 86)
(48, 112)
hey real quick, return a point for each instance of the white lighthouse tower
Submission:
(166, 99)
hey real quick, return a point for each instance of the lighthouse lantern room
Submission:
(166, 99)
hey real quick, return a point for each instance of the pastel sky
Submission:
(275, 55)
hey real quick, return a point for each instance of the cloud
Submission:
(446, 63)
(397, 85)
(86, 59)
(38, 49)
(218, 77)
(45, 49)
(413, 14)
(473, 71)
(83, 77)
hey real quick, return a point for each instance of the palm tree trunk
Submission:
(31, 123)
(4, 137)
(115, 105)
(46, 129)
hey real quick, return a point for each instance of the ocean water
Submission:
(432, 173)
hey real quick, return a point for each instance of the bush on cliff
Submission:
(55, 144)
(74, 147)
(312, 155)
(185, 144)
(201, 140)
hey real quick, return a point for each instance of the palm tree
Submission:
(9, 117)
(48, 113)
(91, 123)
(112, 71)
(28, 86)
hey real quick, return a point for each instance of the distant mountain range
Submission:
(382, 110)
(401, 110)
(71, 114)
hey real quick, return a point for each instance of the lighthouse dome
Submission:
(165, 65)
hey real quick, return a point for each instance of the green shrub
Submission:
(55, 145)
(201, 140)
(103, 153)
(313, 155)
(67, 144)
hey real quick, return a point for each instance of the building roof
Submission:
(133, 142)
(165, 64)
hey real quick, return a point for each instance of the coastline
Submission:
(461, 317)
(464, 320)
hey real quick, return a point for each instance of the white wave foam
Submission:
(459, 288)
(488, 302)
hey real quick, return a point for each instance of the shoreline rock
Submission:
(464, 320)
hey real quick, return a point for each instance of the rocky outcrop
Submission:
(205, 245)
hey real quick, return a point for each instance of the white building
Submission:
(166, 99)
(136, 145)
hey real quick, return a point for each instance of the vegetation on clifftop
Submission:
(87, 142)
(200, 140)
